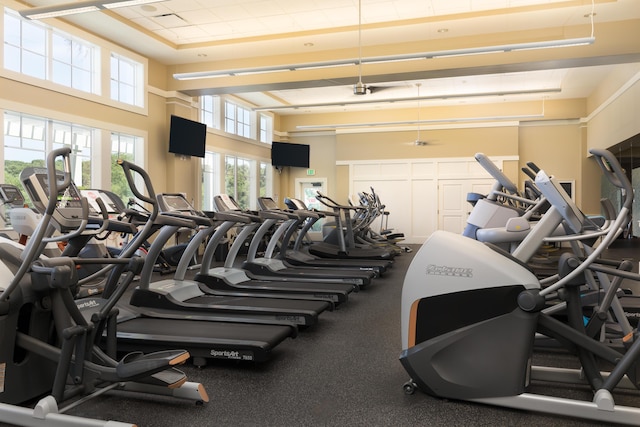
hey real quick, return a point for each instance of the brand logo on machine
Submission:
(444, 270)
(88, 304)
(294, 319)
(231, 354)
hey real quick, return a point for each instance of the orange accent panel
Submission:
(413, 318)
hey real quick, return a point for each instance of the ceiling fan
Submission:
(419, 142)
(360, 88)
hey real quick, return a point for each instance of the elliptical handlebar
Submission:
(612, 169)
(54, 187)
(127, 167)
(496, 173)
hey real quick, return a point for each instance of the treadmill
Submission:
(345, 249)
(295, 256)
(126, 328)
(268, 267)
(230, 283)
(183, 295)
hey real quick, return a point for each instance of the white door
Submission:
(453, 208)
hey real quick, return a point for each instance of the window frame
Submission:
(102, 56)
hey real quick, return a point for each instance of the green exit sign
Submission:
(311, 171)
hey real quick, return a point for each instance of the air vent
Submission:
(170, 20)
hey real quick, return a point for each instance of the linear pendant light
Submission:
(582, 41)
(79, 7)
(410, 98)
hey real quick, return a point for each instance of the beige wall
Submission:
(561, 146)
(493, 141)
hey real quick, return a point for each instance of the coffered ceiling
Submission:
(212, 35)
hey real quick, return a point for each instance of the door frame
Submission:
(314, 235)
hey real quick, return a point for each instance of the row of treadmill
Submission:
(77, 320)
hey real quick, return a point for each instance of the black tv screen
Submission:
(285, 154)
(187, 137)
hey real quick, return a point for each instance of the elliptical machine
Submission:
(47, 345)
(470, 313)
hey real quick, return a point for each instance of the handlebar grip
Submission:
(529, 173)
(611, 168)
(128, 167)
(54, 187)
(533, 167)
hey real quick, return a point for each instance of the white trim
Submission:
(422, 160)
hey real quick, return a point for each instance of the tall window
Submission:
(24, 145)
(122, 147)
(25, 46)
(266, 128)
(72, 63)
(39, 51)
(265, 179)
(79, 138)
(126, 80)
(210, 111)
(240, 181)
(237, 119)
(210, 179)
(28, 139)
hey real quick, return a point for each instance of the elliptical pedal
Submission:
(137, 364)
(170, 378)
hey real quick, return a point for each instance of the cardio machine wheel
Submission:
(409, 387)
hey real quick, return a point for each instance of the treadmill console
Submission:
(68, 213)
(113, 209)
(295, 204)
(224, 202)
(268, 204)
(11, 195)
(175, 202)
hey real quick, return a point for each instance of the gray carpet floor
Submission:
(343, 371)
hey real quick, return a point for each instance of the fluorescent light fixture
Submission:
(422, 122)
(412, 98)
(583, 41)
(263, 70)
(79, 7)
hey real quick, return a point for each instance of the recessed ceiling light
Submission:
(443, 30)
(308, 44)
(148, 8)
(202, 55)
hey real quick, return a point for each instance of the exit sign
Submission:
(311, 171)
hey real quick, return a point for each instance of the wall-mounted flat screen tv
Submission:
(286, 154)
(187, 137)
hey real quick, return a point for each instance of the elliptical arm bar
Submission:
(496, 173)
(614, 173)
(128, 167)
(35, 245)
